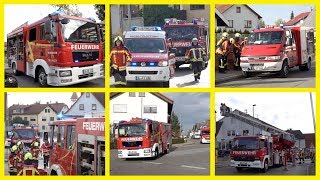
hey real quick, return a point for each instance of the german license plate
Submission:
(143, 78)
(180, 58)
(243, 164)
(133, 153)
(87, 71)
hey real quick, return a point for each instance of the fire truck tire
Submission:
(246, 74)
(239, 169)
(14, 69)
(306, 66)
(156, 154)
(284, 70)
(265, 166)
(42, 77)
(167, 150)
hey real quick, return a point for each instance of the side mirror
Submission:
(65, 21)
(10, 134)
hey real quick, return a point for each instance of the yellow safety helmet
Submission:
(28, 156)
(14, 148)
(231, 40)
(19, 143)
(237, 35)
(118, 38)
(225, 34)
(36, 144)
(194, 40)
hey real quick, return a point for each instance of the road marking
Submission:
(193, 167)
(153, 163)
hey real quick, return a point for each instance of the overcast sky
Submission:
(271, 13)
(16, 15)
(30, 98)
(283, 110)
(190, 108)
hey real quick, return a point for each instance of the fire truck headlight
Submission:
(147, 151)
(244, 58)
(274, 57)
(163, 63)
(65, 73)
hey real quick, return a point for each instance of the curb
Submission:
(231, 77)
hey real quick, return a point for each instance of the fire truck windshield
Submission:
(181, 32)
(271, 37)
(80, 31)
(246, 144)
(145, 45)
(126, 130)
(205, 132)
(23, 133)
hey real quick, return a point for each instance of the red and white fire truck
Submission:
(205, 135)
(25, 134)
(141, 138)
(151, 58)
(261, 151)
(58, 50)
(277, 49)
(182, 33)
(78, 147)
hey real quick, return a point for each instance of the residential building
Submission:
(196, 11)
(310, 141)
(220, 20)
(297, 19)
(300, 139)
(125, 106)
(239, 16)
(87, 105)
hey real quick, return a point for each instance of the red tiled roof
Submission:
(224, 7)
(297, 19)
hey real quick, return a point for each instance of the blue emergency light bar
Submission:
(195, 21)
(55, 13)
(145, 28)
(91, 19)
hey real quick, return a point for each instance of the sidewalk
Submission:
(227, 76)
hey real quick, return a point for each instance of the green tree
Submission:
(69, 9)
(154, 15)
(19, 120)
(262, 24)
(292, 15)
(278, 22)
(175, 125)
(100, 11)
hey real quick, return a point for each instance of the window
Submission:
(47, 110)
(41, 32)
(247, 23)
(196, 7)
(231, 133)
(81, 107)
(61, 137)
(32, 35)
(150, 109)
(70, 137)
(25, 118)
(87, 95)
(119, 108)
(228, 133)
(44, 118)
(142, 94)
(32, 119)
(43, 127)
(51, 118)
(94, 107)
(245, 132)
(132, 94)
(238, 10)
(230, 23)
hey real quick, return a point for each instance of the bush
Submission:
(113, 145)
(177, 140)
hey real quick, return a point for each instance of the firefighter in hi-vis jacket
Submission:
(195, 54)
(237, 51)
(120, 58)
(222, 52)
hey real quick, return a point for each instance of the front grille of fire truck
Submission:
(181, 51)
(244, 158)
(143, 72)
(82, 76)
(82, 56)
(132, 144)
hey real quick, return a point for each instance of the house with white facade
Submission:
(87, 105)
(154, 106)
(239, 16)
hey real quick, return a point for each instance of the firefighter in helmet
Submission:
(45, 148)
(120, 58)
(28, 168)
(237, 51)
(15, 160)
(222, 52)
(195, 55)
(35, 150)
(244, 42)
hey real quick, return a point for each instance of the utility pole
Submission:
(129, 17)
(314, 121)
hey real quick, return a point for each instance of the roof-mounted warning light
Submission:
(92, 19)
(195, 21)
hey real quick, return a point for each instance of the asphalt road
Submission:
(296, 78)
(191, 158)
(223, 168)
(26, 81)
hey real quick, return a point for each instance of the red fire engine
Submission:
(25, 134)
(58, 50)
(181, 34)
(205, 135)
(140, 138)
(261, 151)
(78, 147)
(276, 49)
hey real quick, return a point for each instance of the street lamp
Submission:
(253, 109)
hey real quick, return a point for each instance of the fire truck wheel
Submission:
(167, 150)
(284, 70)
(156, 154)
(306, 66)
(246, 74)
(14, 69)
(239, 169)
(265, 166)
(42, 77)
